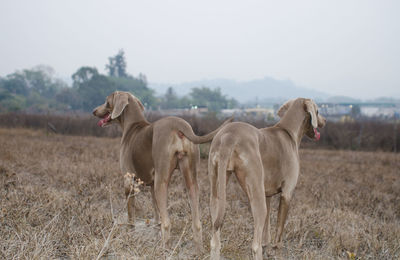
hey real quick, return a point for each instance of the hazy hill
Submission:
(244, 91)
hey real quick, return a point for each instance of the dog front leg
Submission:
(131, 209)
(130, 197)
(267, 226)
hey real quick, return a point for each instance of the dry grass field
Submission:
(62, 197)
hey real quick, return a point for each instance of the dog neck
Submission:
(131, 118)
(293, 122)
(132, 114)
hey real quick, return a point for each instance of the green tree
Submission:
(40, 79)
(170, 99)
(89, 89)
(92, 88)
(38, 90)
(142, 78)
(117, 65)
(232, 103)
(70, 97)
(11, 102)
(15, 84)
(32, 89)
(213, 99)
(83, 75)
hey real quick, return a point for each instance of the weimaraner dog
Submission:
(152, 151)
(266, 162)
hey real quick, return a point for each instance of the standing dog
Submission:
(266, 162)
(152, 152)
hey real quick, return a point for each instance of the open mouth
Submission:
(104, 122)
(317, 135)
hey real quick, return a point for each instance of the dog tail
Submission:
(225, 155)
(188, 133)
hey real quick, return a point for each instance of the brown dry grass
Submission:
(61, 195)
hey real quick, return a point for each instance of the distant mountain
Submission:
(247, 91)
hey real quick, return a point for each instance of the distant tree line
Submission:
(213, 99)
(37, 90)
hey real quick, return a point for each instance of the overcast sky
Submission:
(339, 47)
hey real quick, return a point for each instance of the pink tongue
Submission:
(317, 134)
(104, 120)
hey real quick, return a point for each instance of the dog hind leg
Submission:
(256, 194)
(163, 172)
(156, 210)
(188, 169)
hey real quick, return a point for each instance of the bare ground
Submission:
(62, 197)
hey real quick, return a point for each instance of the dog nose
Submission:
(94, 112)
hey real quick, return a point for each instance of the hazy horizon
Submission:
(339, 48)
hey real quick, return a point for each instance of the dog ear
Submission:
(282, 110)
(120, 102)
(309, 107)
(140, 104)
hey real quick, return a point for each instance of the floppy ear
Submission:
(282, 110)
(140, 104)
(120, 102)
(310, 109)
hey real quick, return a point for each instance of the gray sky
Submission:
(339, 47)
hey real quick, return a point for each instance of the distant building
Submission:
(194, 110)
(332, 111)
(379, 111)
(265, 114)
(335, 112)
(338, 111)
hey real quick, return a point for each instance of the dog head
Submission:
(114, 106)
(313, 119)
